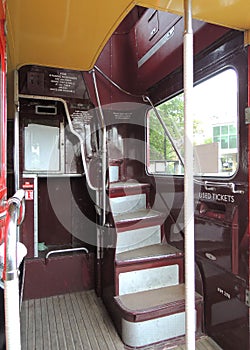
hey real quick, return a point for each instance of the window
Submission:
(42, 151)
(215, 129)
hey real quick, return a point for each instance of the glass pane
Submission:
(215, 113)
(224, 142)
(217, 139)
(232, 141)
(42, 148)
(224, 130)
(216, 131)
(162, 155)
(232, 130)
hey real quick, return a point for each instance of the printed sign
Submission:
(218, 197)
(29, 195)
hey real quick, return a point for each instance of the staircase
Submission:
(149, 305)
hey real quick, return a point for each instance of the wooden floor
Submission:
(77, 321)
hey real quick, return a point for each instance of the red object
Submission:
(3, 190)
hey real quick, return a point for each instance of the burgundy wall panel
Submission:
(59, 275)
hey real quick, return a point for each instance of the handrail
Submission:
(211, 186)
(103, 150)
(164, 126)
(101, 193)
(10, 273)
(65, 251)
(146, 99)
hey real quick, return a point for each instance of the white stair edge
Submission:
(148, 279)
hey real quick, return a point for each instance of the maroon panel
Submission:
(151, 27)
(61, 274)
(51, 230)
(118, 62)
(170, 56)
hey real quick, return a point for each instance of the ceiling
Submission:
(72, 33)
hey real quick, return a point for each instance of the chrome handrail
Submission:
(65, 251)
(14, 205)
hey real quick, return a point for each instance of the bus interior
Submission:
(95, 129)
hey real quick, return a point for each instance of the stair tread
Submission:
(165, 299)
(157, 251)
(137, 215)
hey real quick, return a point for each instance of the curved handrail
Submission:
(66, 251)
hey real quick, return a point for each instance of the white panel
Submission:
(137, 334)
(133, 239)
(41, 148)
(128, 204)
(148, 279)
(113, 173)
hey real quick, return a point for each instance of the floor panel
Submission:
(78, 321)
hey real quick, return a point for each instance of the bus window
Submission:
(42, 150)
(215, 129)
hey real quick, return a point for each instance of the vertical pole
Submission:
(248, 42)
(101, 192)
(16, 133)
(188, 179)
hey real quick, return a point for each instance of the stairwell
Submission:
(149, 297)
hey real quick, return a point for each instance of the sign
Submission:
(29, 195)
(27, 185)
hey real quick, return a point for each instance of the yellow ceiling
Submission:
(72, 33)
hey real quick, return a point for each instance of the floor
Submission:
(77, 321)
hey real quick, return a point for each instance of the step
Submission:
(138, 219)
(136, 269)
(155, 315)
(127, 188)
(148, 253)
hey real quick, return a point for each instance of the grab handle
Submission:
(212, 185)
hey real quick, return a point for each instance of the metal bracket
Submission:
(247, 115)
(247, 298)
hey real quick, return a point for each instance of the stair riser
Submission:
(148, 279)
(147, 265)
(133, 239)
(137, 334)
(113, 173)
(128, 204)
